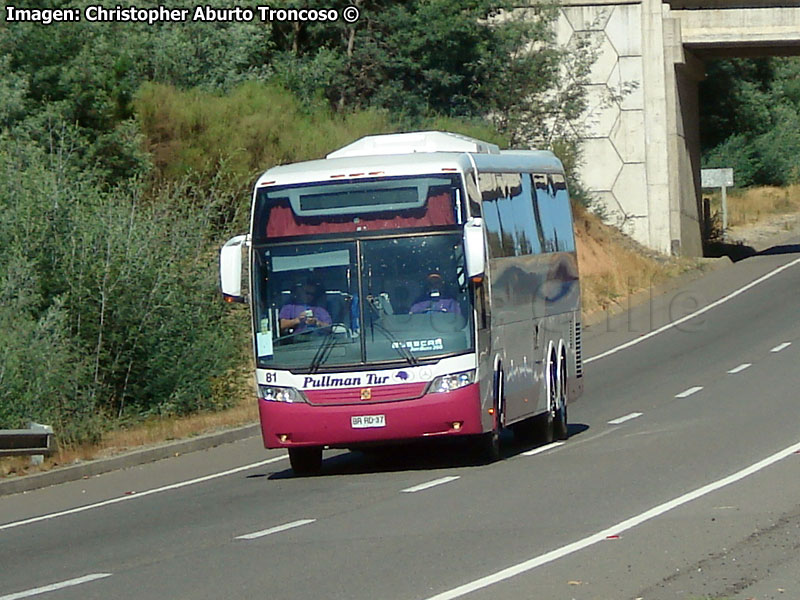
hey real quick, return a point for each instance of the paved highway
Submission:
(682, 461)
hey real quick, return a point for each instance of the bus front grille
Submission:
(367, 394)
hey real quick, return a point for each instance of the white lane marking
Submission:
(614, 530)
(271, 530)
(430, 484)
(780, 347)
(173, 486)
(541, 449)
(694, 314)
(689, 392)
(621, 420)
(740, 368)
(56, 586)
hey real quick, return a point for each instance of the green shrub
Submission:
(241, 133)
(109, 304)
(779, 149)
(737, 153)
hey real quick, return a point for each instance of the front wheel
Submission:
(488, 446)
(306, 460)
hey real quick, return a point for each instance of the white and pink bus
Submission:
(410, 286)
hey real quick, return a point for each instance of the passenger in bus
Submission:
(303, 312)
(434, 299)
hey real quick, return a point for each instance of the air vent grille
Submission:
(576, 343)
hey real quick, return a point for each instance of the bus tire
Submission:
(306, 460)
(560, 426)
(489, 443)
(527, 431)
(546, 427)
(489, 447)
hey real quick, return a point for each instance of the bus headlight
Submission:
(273, 393)
(448, 383)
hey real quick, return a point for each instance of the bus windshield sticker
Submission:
(264, 344)
(264, 338)
(420, 345)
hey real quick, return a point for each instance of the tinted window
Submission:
(508, 213)
(544, 203)
(494, 234)
(562, 216)
(526, 223)
(555, 214)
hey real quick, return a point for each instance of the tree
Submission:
(439, 57)
(750, 119)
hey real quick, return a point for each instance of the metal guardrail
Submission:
(38, 440)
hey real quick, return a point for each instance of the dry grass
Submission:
(612, 266)
(754, 205)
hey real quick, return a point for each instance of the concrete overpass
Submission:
(642, 151)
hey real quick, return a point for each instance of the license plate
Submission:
(365, 421)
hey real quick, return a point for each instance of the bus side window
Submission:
(509, 215)
(536, 216)
(490, 193)
(545, 201)
(509, 188)
(481, 306)
(473, 195)
(562, 215)
(526, 220)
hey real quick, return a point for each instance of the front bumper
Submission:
(286, 425)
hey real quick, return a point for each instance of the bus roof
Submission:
(414, 142)
(416, 153)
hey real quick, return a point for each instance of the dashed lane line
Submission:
(740, 368)
(780, 347)
(278, 529)
(620, 420)
(55, 586)
(541, 449)
(430, 484)
(689, 392)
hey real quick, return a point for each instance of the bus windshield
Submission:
(357, 206)
(315, 308)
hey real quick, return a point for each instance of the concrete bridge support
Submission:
(637, 148)
(642, 147)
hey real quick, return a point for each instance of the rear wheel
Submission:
(547, 425)
(306, 460)
(560, 426)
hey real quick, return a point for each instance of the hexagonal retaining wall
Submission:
(613, 131)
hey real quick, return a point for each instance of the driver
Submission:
(303, 313)
(433, 300)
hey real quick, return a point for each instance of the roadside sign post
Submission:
(723, 179)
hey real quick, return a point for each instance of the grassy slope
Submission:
(612, 266)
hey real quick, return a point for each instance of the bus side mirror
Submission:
(474, 247)
(230, 269)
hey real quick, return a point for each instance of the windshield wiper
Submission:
(397, 345)
(324, 350)
(402, 350)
